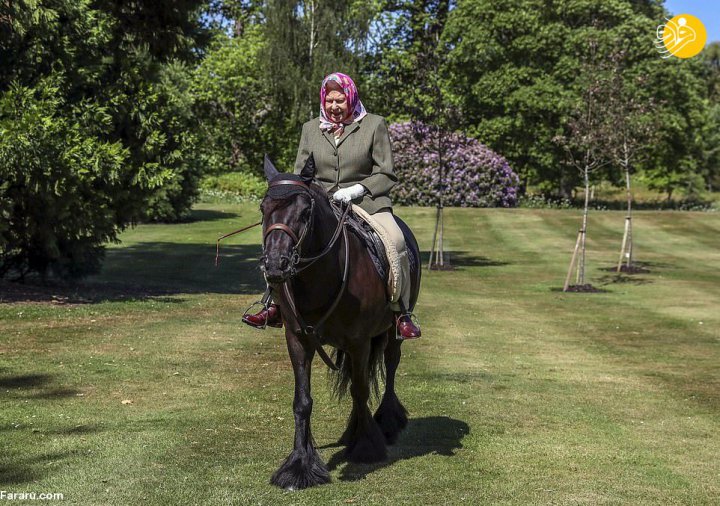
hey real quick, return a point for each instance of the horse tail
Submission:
(340, 379)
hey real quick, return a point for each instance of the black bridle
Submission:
(296, 259)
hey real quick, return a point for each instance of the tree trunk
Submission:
(566, 286)
(437, 255)
(626, 249)
(583, 230)
(311, 9)
(630, 247)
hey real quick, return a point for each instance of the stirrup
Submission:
(265, 305)
(413, 318)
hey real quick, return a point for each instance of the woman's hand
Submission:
(348, 194)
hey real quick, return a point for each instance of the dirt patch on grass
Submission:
(586, 288)
(635, 268)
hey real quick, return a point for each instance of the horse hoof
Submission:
(368, 448)
(392, 418)
(301, 470)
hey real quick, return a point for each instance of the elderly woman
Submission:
(354, 162)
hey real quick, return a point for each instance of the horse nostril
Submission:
(284, 262)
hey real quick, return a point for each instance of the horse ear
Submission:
(270, 170)
(308, 172)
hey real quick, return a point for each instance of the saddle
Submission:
(370, 239)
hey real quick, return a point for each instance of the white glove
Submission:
(348, 194)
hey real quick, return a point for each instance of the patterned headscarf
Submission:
(351, 95)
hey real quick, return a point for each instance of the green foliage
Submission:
(514, 68)
(177, 144)
(406, 74)
(58, 183)
(711, 133)
(305, 41)
(242, 184)
(232, 103)
(114, 82)
(676, 159)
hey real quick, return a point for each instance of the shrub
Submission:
(169, 110)
(58, 184)
(240, 184)
(475, 175)
(531, 201)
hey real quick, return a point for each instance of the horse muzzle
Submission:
(278, 269)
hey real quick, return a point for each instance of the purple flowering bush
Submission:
(475, 176)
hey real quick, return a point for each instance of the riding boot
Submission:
(269, 315)
(406, 327)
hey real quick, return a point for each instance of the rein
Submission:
(217, 245)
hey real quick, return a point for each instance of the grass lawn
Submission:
(143, 387)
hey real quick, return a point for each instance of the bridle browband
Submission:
(296, 259)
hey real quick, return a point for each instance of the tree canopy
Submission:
(113, 111)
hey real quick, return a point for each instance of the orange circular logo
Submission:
(683, 36)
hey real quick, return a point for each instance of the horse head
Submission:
(288, 210)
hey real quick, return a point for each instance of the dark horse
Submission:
(322, 276)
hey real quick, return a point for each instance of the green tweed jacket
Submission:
(363, 155)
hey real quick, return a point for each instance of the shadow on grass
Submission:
(463, 259)
(587, 289)
(25, 381)
(438, 435)
(28, 469)
(151, 270)
(622, 279)
(641, 267)
(24, 386)
(209, 215)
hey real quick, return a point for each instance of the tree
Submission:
(514, 67)
(58, 179)
(409, 61)
(633, 123)
(88, 118)
(711, 134)
(586, 142)
(233, 103)
(305, 41)
(676, 158)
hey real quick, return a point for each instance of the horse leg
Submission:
(391, 415)
(303, 468)
(367, 443)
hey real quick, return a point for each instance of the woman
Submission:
(354, 163)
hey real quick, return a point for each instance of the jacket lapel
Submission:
(329, 137)
(348, 130)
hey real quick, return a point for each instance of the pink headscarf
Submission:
(351, 95)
